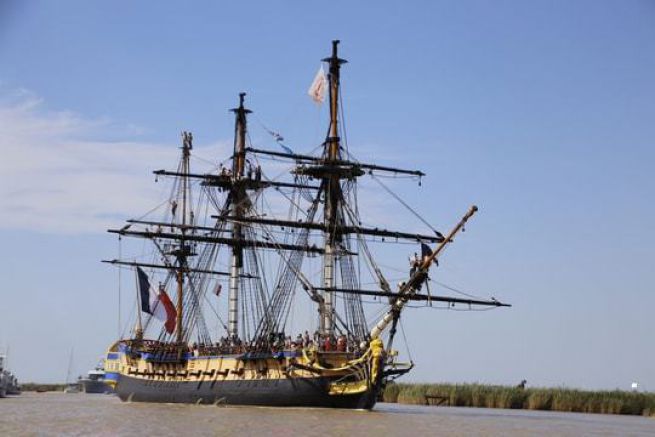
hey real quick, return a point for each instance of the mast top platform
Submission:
(241, 107)
(334, 58)
(187, 142)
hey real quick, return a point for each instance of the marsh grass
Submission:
(32, 386)
(549, 399)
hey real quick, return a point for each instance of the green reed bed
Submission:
(32, 386)
(496, 396)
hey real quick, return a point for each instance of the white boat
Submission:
(8, 381)
(95, 382)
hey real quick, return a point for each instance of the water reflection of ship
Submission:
(346, 356)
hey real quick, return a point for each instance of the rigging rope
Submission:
(120, 256)
(416, 214)
(402, 331)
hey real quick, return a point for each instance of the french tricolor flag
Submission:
(156, 302)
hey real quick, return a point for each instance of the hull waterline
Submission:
(297, 392)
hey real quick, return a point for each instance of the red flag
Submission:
(156, 303)
(171, 313)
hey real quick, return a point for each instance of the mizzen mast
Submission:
(179, 249)
(184, 250)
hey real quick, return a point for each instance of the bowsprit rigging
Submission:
(272, 243)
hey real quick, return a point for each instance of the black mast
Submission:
(184, 250)
(238, 198)
(332, 187)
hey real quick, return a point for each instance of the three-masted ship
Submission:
(270, 261)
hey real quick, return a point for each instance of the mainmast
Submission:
(332, 194)
(238, 197)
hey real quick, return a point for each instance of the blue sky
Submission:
(539, 112)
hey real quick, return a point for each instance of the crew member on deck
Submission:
(327, 345)
(341, 343)
(305, 340)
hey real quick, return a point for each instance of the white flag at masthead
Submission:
(317, 89)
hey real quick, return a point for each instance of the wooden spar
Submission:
(294, 156)
(239, 157)
(165, 267)
(334, 78)
(179, 226)
(225, 181)
(417, 279)
(437, 238)
(341, 229)
(340, 162)
(422, 297)
(430, 259)
(221, 240)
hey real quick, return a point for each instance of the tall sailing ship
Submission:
(234, 217)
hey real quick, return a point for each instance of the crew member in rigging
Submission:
(414, 263)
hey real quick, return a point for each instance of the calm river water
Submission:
(85, 414)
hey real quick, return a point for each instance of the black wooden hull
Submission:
(290, 392)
